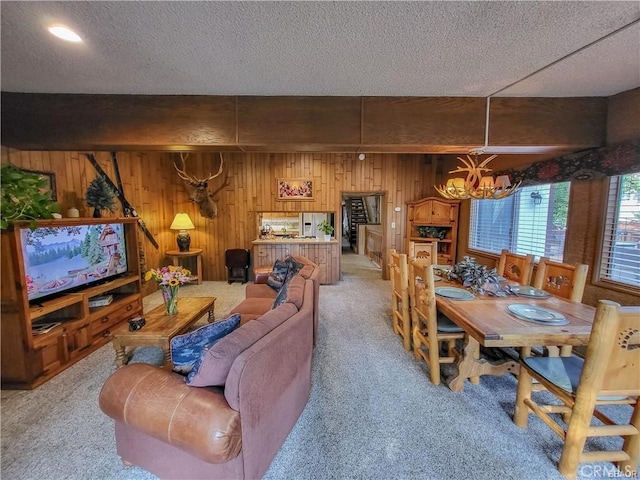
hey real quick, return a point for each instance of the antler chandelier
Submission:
(479, 183)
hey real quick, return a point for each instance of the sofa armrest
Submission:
(261, 274)
(157, 402)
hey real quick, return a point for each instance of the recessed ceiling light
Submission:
(64, 33)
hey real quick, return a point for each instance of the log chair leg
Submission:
(434, 360)
(521, 414)
(631, 445)
(576, 436)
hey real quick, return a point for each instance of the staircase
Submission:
(357, 214)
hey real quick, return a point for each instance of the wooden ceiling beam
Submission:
(325, 124)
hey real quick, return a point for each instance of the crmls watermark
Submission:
(605, 471)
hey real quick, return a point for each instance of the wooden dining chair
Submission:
(609, 375)
(561, 279)
(432, 332)
(515, 267)
(426, 252)
(401, 319)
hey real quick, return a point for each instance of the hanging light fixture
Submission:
(479, 183)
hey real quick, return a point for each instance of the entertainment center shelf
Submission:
(53, 307)
(72, 329)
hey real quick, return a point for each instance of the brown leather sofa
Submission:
(231, 431)
(259, 296)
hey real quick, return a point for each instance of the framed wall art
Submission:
(295, 189)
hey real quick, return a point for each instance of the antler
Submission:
(181, 173)
(225, 184)
(194, 180)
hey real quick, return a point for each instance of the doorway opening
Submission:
(362, 225)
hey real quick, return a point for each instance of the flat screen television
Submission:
(63, 258)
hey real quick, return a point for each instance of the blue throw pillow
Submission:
(187, 349)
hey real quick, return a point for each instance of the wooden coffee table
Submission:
(160, 328)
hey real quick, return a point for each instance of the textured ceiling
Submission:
(454, 48)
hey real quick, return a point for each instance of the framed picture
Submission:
(295, 189)
(50, 179)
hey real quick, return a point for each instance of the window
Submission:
(620, 255)
(533, 220)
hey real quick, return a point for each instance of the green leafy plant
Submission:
(23, 196)
(325, 227)
(473, 275)
(100, 195)
(432, 232)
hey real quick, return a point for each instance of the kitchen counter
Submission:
(292, 240)
(324, 254)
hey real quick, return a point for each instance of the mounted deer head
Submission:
(198, 192)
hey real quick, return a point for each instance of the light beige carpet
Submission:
(373, 414)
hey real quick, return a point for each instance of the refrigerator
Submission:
(310, 222)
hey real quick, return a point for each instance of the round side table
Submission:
(177, 255)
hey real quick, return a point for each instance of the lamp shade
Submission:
(503, 181)
(182, 222)
(486, 182)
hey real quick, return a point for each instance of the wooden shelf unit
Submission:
(29, 359)
(439, 213)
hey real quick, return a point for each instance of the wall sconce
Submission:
(537, 198)
(182, 222)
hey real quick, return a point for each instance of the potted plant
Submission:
(100, 196)
(473, 275)
(326, 228)
(23, 197)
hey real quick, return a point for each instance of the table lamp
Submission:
(182, 222)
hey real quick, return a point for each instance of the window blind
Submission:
(620, 255)
(532, 221)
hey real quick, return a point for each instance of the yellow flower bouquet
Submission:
(171, 275)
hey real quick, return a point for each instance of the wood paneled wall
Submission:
(146, 181)
(153, 187)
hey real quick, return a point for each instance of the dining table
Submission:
(489, 321)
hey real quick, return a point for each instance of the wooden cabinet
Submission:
(30, 359)
(265, 254)
(324, 254)
(434, 219)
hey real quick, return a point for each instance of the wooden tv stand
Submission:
(30, 359)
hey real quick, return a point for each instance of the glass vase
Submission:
(170, 297)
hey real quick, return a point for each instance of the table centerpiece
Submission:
(473, 274)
